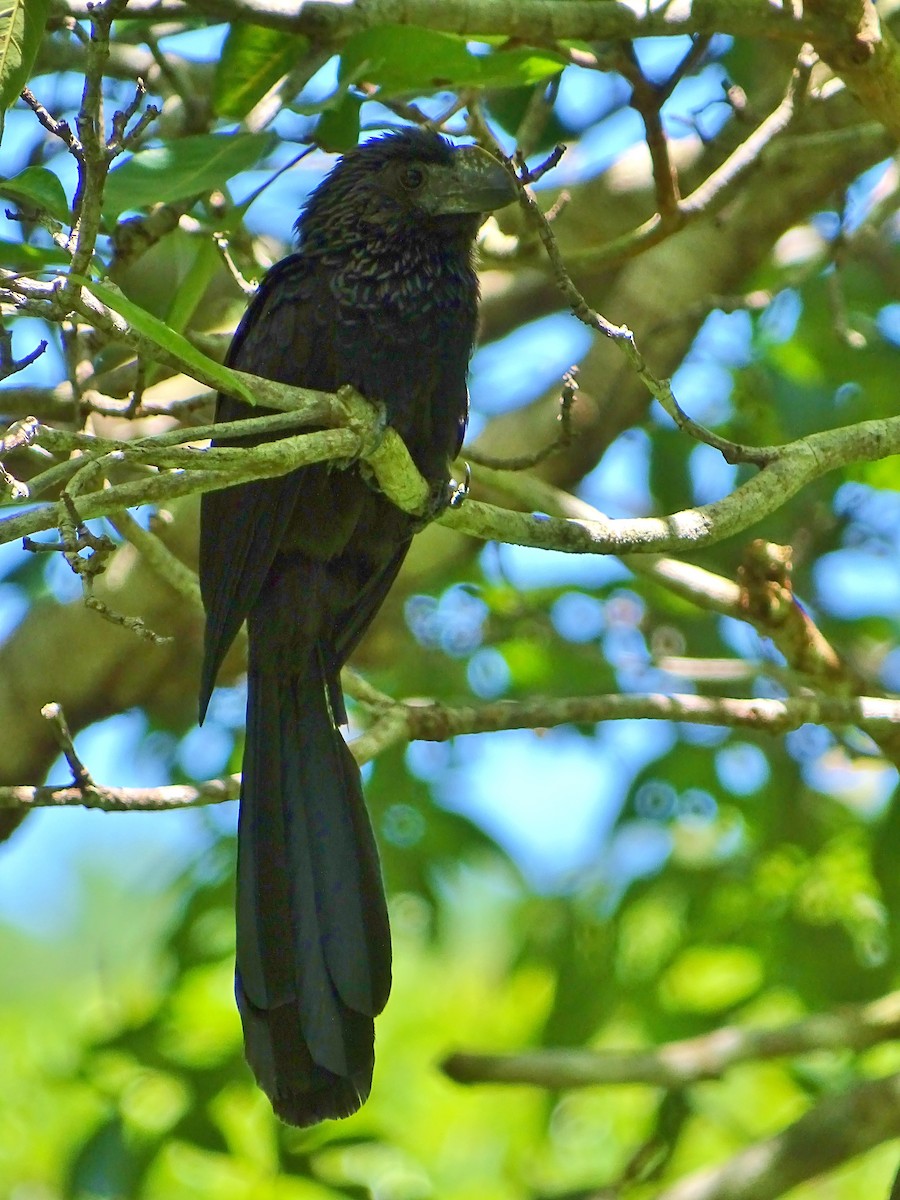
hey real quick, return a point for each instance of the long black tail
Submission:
(313, 942)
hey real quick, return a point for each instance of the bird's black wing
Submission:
(280, 337)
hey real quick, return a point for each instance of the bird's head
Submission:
(408, 182)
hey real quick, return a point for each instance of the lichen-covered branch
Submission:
(790, 468)
(538, 21)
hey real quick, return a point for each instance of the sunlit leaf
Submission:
(36, 187)
(21, 29)
(402, 58)
(177, 170)
(164, 337)
(253, 60)
(710, 978)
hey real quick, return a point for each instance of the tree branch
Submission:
(433, 721)
(120, 799)
(198, 470)
(859, 46)
(536, 21)
(679, 1064)
(837, 1129)
(833, 1131)
(848, 36)
(436, 722)
(790, 468)
(763, 597)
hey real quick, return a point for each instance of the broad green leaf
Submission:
(253, 60)
(338, 127)
(515, 68)
(403, 59)
(21, 29)
(38, 187)
(192, 288)
(190, 291)
(400, 58)
(19, 256)
(161, 335)
(191, 166)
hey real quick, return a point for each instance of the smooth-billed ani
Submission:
(382, 295)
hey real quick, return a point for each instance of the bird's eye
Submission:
(412, 178)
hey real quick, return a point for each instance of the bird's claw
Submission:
(378, 427)
(375, 427)
(458, 492)
(448, 494)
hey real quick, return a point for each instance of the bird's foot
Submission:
(448, 494)
(458, 492)
(367, 418)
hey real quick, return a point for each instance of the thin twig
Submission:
(723, 180)
(647, 100)
(81, 775)
(60, 129)
(525, 462)
(134, 625)
(76, 538)
(621, 335)
(537, 115)
(179, 577)
(121, 799)
(719, 187)
(9, 364)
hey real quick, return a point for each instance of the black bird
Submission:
(382, 295)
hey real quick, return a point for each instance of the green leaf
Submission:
(338, 126)
(515, 68)
(253, 60)
(189, 292)
(19, 256)
(194, 285)
(161, 335)
(191, 166)
(21, 29)
(400, 58)
(38, 187)
(706, 979)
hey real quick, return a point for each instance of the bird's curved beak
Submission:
(473, 182)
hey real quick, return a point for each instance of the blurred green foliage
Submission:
(774, 888)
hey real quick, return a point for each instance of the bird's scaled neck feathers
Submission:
(377, 245)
